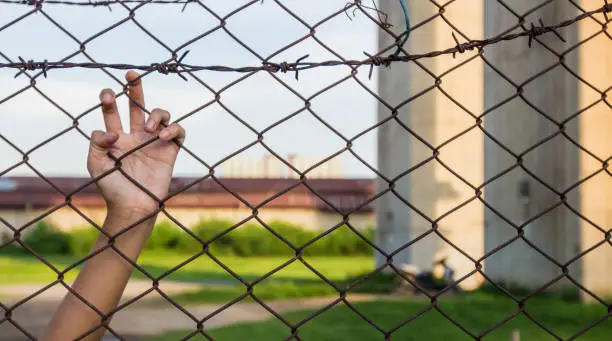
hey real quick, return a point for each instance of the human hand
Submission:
(150, 166)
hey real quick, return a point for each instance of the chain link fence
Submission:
(178, 64)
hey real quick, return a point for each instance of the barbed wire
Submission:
(94, 3)
(176, 66)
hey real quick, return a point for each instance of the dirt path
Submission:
(143, 319)
(146, 321)
(34, 314)
(13, 293)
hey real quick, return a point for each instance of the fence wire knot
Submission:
(30, 65)
(171, 67)
(106, 4)
(167, 68)
(536, 31)
(461, 48)
(285, 67)
(36, 3)
(376, 60)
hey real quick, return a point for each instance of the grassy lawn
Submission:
(293, 281)
(265, 291)
(21, 270)
(29, 270)
(251, 268)
(477, 312)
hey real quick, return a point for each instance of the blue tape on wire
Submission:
(407, 22)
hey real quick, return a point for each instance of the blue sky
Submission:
(213, 133)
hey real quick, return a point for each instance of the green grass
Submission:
(286, 289)
(265, 291)
(477, 312)
(218, 286)
(29, 270)
(250, 268)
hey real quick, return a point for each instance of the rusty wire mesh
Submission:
(177, 64)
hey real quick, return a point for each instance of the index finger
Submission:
(136, 96)
(112, 121)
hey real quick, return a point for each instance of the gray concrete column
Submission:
(595, 67)
(435, 118)
(542, 106)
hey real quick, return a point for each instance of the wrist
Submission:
(125, 211)
(126, 216)
(128, 227)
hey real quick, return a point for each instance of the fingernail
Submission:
(150, 124)
(164, 134)
(106, 97)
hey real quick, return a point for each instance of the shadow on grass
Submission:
(484, 316)
(220, 288)
(375, 283)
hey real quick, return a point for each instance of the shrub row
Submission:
(245, 240)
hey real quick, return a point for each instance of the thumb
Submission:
(98, 148)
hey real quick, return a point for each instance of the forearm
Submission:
(102, 279)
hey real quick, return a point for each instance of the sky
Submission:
(212, 133)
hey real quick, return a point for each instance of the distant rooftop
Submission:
(343, 194)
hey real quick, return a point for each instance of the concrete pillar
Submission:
(435, 118)
(595, 66)
(521, 123)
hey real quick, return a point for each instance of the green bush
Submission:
(246, 242)
(164, 236)
(249, 239)
(290, 232)
(206, 230)
(351, 243)
(45, 238)
(82, 240)
(253, 239)
(341, 241)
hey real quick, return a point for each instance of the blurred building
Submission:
(23, 200)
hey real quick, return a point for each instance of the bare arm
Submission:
(101, 281)
(103, 278)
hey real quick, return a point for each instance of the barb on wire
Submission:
(383, 18)
(376, 61)
(536, 31)
(171, 67)
(285, 67)
(30, 65)
(107, 5)
(301, 65)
